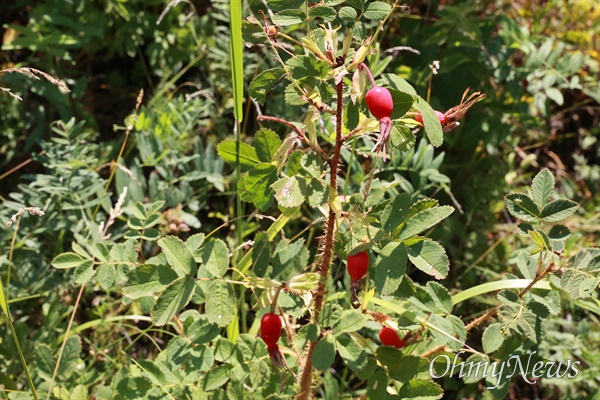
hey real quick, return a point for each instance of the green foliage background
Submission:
(538, 65)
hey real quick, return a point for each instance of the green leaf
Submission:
(400, 84)
(440, 295)
(84, 272)
(351, 321)
(44, 361)
(216, 377)
(402, 103)
(133, 388)
(588, 286)
(395, 212)
(266, 143)
(523, 207)
(555, 95)
(147, 279)
(327, 13)
(215, 257)
(202, 331)
(195, 241)
(179, 255)
(459, 332)
(255, 186)
(424, 220)
(220, 305)
(324, 353)
(261, 254)
(289, 192)
(377, 10)
(558, 210)
(67, 260)
(288, 17)
(433, 127)
(492, 338)
(352, 353)
(402, 368)
(70, 355)
(559, 232)
(376, 385)
(312, 164)
(176, 296)
(390, 267)
(418, 389)
(541, 239)
(430, 257)
(260, 86)
(317, 192)
(542, 187)
(106, 275)
(347, 14)
(227, 150)
(280, 5)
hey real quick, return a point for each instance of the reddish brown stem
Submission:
(364, 66)
(306, 379)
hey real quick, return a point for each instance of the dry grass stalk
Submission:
(115, 213)
(32, 73)
(31, 210)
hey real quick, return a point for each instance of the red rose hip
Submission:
(358, 265)
(270, 329)
(379, 101)
(440, 115)
(389, 337)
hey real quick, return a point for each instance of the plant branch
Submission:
(299, 131)
(306, 379)
(492, 311)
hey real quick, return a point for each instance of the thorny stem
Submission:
(306, 379)
(490, 313)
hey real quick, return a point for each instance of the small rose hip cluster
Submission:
(381, 104)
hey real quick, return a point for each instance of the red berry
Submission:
(270, 329)
(389, 337)
(440, 115)
(380, 103)
(358, 265)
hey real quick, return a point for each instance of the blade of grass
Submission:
(237, 78)
(496, 286)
